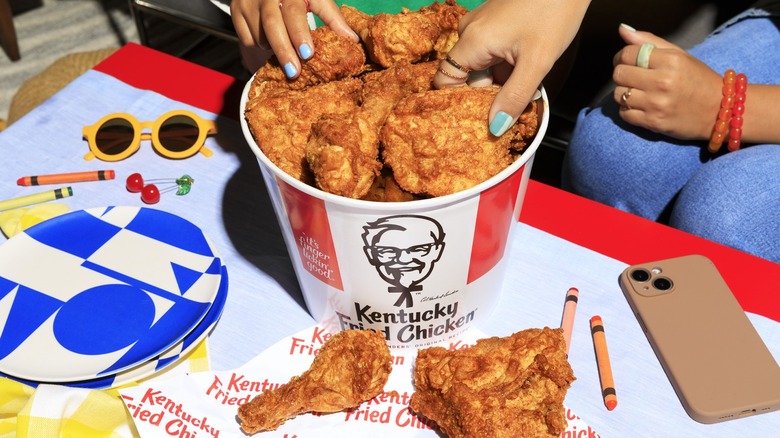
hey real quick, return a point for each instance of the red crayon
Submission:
(605, 368)
(61, 178)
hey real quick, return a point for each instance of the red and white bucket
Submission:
(421, 272)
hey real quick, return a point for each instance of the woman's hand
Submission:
(676, 95)
(519, 40)
(280, 27)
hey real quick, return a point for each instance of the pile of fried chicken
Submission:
(511, 387)
(363, 121)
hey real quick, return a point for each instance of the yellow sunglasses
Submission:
(175, 134)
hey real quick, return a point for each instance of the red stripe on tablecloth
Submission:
(632, 239)
(201, 87)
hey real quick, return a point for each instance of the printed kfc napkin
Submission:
(205, 404)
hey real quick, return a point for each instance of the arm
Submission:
(679, 96)
(761, 114)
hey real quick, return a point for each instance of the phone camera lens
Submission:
(640, 275)
(662, 284)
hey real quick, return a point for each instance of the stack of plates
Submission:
(101, 297)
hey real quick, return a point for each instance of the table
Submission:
(561, 239)
(606, 230)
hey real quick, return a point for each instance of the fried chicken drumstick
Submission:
(350, 368)
(500, 387)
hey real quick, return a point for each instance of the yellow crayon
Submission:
(36, 198)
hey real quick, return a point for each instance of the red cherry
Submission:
(135, 183)
(150, 194)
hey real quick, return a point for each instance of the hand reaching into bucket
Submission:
(519, 41)
(281, 28)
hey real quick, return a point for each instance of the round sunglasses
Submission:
(176, 134)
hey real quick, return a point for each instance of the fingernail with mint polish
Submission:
(290, 70)
(627, 27)
(500, 123)
(305, 51)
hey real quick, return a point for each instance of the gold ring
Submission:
(624, 98)
(448, 74)
(643, 57)
(455, 64)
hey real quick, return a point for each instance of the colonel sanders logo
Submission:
(403, 249)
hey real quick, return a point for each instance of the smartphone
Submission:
(716, 361)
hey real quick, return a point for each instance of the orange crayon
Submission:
(567, 320)
(63, 178)
(605, 368)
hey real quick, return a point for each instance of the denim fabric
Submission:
(732, 198)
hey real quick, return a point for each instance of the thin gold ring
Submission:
(448, 74)
(456, 64)
(624, 98)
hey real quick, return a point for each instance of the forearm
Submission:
(762, 114)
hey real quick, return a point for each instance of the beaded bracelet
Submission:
(732, 107)
(724, 115)
(735, 132)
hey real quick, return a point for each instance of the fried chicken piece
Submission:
(358, 20)
(438, 142)
(385, 189)
(500, 387)
(350, 368)
(334, 58)
(410, 36)
(343, 150)
(342, 153)
(447, 16)
(281, 120)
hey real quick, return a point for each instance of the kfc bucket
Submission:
(422, 271)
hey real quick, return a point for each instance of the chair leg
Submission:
(139, 23)
(8, 32)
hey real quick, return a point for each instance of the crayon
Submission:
(605, 368)
(36, 198)
(63, 178)
(567, 320)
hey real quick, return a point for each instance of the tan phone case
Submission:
(714, 358)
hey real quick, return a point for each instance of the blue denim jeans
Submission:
(732, 198)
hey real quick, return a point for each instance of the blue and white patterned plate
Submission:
(94, 292)
(162, 362)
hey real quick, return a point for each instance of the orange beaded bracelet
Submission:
(724, 115)
(735, 125)
(732, 107)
